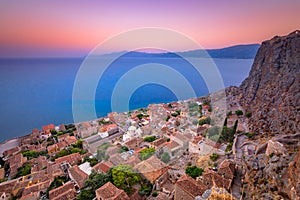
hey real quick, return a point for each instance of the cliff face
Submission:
(272, 94)
(272, 90)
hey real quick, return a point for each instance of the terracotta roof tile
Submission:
(211, 178)
(68, 189)
(103, 166)
(42, 186)
(110, 192)
(72, 159)
(151, 168)
(190, 186)
(159, 142)
(172, 145)
(78, 175)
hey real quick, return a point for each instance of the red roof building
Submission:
(110, 192)
(188, 188)
(78, 176)
(72, 159)
(66, 191)
(103, 166)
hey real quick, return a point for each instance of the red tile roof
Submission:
(172, 144)
(48, 127)
(197, 139)
(110, 192)
(31, 196)
(54, 170)
(8, 186)
(66, 191)
(2, 173)
(227, 168)
(152, 168)
(11, 151)
(72, 159)
(103, 166)
(78, 175)
(190, 186)
(37, 187)
(158, 143)
(211, 178)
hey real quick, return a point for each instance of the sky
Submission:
(58, 28)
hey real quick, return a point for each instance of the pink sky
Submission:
(73, 28)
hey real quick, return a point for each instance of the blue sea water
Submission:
(36, 92)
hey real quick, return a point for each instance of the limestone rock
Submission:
(272, 90)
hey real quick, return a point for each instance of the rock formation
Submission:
(272, 90)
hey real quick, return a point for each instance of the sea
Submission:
(38, 91)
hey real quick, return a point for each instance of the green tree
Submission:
(165, 157)
(235, 125)
(150, 138)
(123, 149)
(86, 195)
(214, 157)
(146, 153)
(225, 122)
(194, 171)
(124, 177)
(174, 114)
(239, 112)
(167, 118)
(30, 154)
(207, 120)
(78, 144)
(146, 188)
(92, 161)
(24, 170)
(97, 180)
(248, 114)
(57, 182)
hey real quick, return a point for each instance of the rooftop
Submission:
(110, 192)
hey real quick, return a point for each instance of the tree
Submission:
(194, 171)
(225, 122)
(150, 138)
(214, 157)
(146, 188)
(97, 180)
(24, 170)
(207, 120)
(57, 182)
(124, 177)
(248, 114)
(123, 149)
(165, 157)
(146, 153)
(235, 125)
(239, 112)
(86, 195)
(78, 144)
(92, 161)
(174, 114)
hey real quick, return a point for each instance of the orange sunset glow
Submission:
(63, 28)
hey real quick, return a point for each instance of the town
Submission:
(164, 151)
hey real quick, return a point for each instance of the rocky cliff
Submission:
(270, 161)
(272, 90)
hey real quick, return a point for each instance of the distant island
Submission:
(247, 51)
